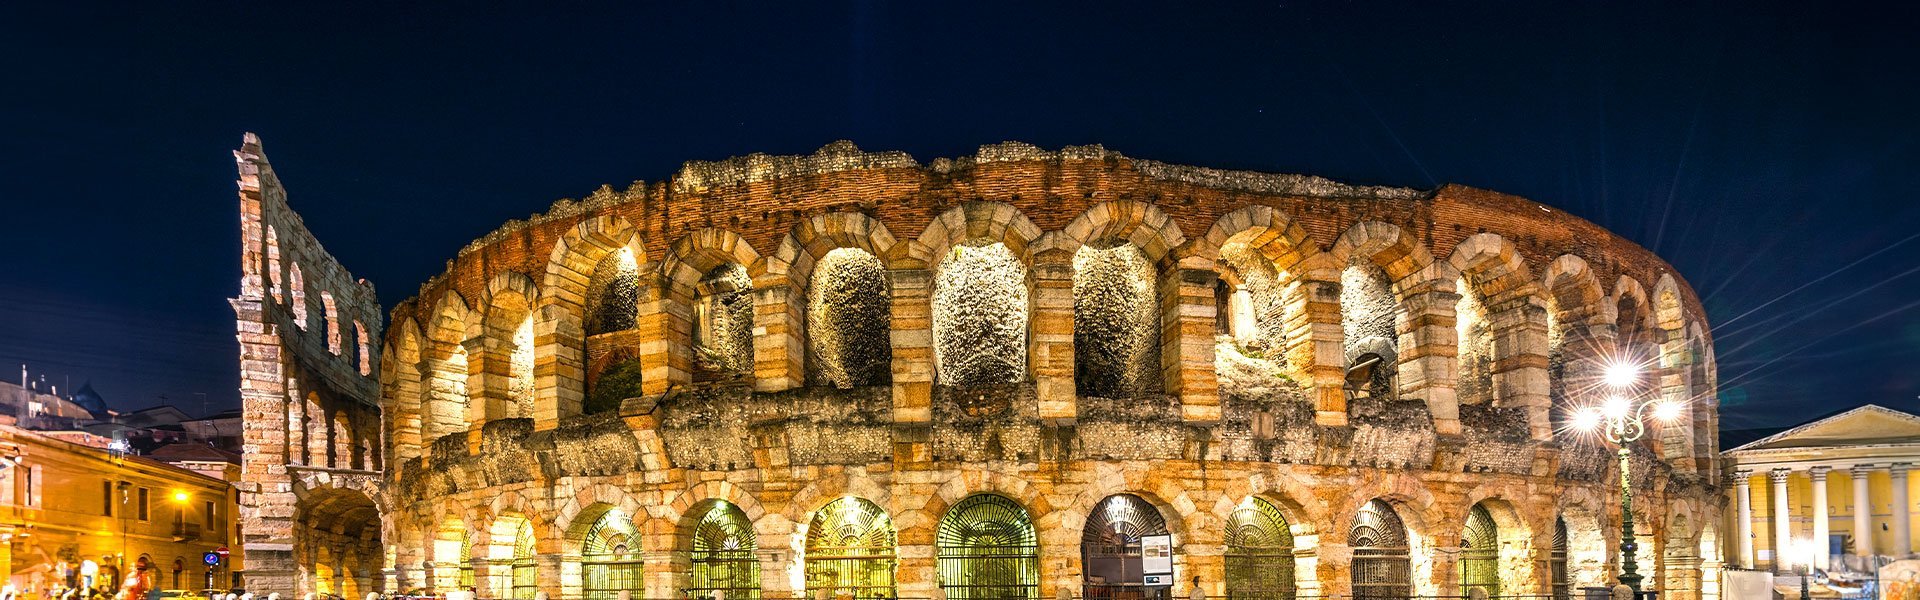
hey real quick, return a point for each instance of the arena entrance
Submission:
(336, 537)
(1113, 553)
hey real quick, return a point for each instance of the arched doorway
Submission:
(723, 554)
(1381, 566)
(524, 573)
(1480, 553)
(609, 555)
(988, 549)
(1259, 553)
(1112, 553)
(850, 550)
(336, 525)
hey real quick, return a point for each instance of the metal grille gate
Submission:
(850, 549)
(1259, 553)
(525, 574)
(989, 551)
(1480, 553)
(1557, 561)
(607, 566)
(1110, 549)
(1381, 568)
(723, 555)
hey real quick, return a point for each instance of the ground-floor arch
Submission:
(336, 534)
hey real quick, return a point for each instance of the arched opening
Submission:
(1112, 552)
(849, 320)
(1382, 566)
(610, 556)
(1250, 319)
(723, 323)
(613, 294)
(1474, 355)
(297, 295)
(1479, 562)
(363, 351)
(520, 384)
(511, 571)
(1561, 584)
(723, 554)
(1259, 553)
(273, 265)
(335, 524)
(980, 313)
(1116, 321)
(988, 549)
(850, 550)
(331, 313)
(1369, 316)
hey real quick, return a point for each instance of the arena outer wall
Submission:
(485, 438)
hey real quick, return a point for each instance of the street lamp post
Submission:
(1623, 421)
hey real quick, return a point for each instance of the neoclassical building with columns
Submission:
(1018, 374)
(1835, 488)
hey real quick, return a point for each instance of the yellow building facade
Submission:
(1832, 491)
(74, 515)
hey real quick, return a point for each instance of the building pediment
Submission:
(1869, 425)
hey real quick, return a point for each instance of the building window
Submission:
(141, 507)
(210, 515)
(106, 498)
(32, 489)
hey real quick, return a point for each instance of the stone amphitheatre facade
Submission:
(852, 373)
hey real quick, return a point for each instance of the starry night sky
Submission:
(1765, 149)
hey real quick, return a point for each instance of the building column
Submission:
(1821, 554)
(1743, 523)
(1902, 510)
(1782, 533)
(1862, 512)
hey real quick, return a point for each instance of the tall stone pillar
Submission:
(1821, 552)
(1743, 523)
(1782, 530)
(1862, 512)
(1050, 343)
(1902, 510)
(1428, 343)
(1318, 357)
(1187, 342)
(912, 345)
(778, 354)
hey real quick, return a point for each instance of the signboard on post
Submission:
(1156, 559)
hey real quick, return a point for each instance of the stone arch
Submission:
(1261, 256)
(1415, 506)
(563, 348)
(1590, 552)
(1576, 315)
(846, 340)
(1256, 566)
(330, 525)
(447, 367)
(579, 508)
(1501, 332)
(1113, 529)
(1520, 534)
(970, 252)
(1119, 254)
(400, 377)
(1388, 349)
(503, 355)
(708, 278)
(715, 549)
(852, 548)
(297, 295)
(988, 547)
(330, 312)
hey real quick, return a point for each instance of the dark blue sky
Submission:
(1762, 148)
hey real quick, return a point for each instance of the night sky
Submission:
(1767, 150)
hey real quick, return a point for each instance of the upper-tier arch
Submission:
(1501, 330)
(562, 350)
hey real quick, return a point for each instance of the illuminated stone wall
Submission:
(1045, 326)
